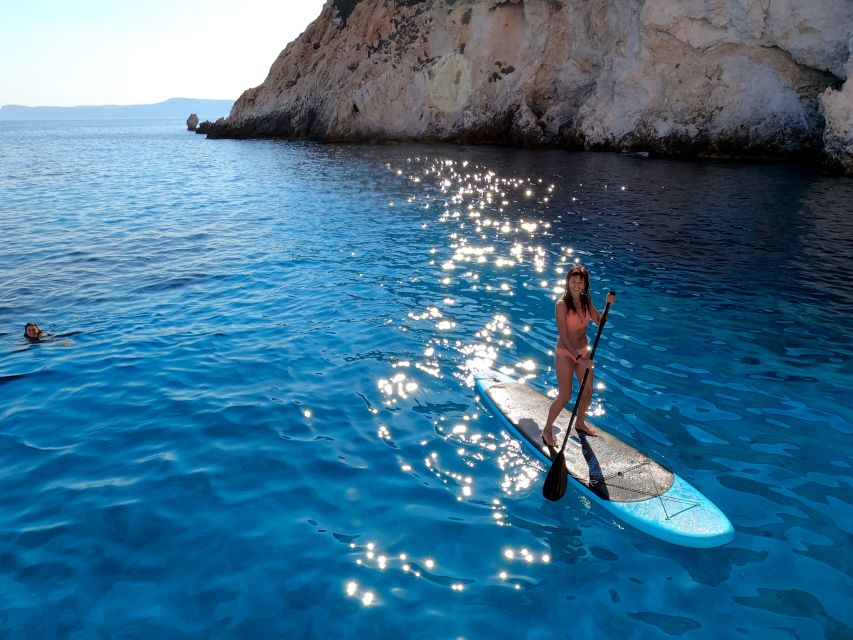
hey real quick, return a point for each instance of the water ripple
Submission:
(254, 417)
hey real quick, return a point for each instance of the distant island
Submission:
(173, 108)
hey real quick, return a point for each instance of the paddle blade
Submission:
(555, 482)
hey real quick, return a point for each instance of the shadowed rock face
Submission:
(344, 8)
(745, 78)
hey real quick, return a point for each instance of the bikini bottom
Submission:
(565, 352)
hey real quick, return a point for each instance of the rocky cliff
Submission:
(753, 78)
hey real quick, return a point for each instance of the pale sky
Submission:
(93, 52)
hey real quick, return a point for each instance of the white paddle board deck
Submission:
(611, 473)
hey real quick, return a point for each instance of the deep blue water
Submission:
(255, 417)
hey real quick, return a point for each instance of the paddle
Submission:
(555, 482)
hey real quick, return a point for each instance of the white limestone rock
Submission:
(708, 77)
(837, 108)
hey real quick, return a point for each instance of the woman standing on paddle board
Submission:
(573, 311)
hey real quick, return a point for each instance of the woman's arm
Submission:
(593, 312)
(596, 317)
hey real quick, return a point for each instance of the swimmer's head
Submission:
(32, 331)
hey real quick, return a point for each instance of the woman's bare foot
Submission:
(548, 437)
(588, 430)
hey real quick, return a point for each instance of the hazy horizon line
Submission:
(114, 104)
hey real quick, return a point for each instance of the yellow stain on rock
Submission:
(450, 83)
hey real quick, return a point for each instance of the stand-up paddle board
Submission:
(633, 487)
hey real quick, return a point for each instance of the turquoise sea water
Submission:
(256, 419)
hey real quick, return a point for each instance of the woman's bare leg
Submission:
(586, 398)
(563, 366)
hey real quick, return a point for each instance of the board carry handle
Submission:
(555, 482)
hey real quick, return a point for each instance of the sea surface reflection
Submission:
(263, 423)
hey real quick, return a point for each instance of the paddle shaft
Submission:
(601, 324)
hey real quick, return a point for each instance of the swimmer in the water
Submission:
(33, 333)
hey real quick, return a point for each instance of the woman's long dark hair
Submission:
(577, 270)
